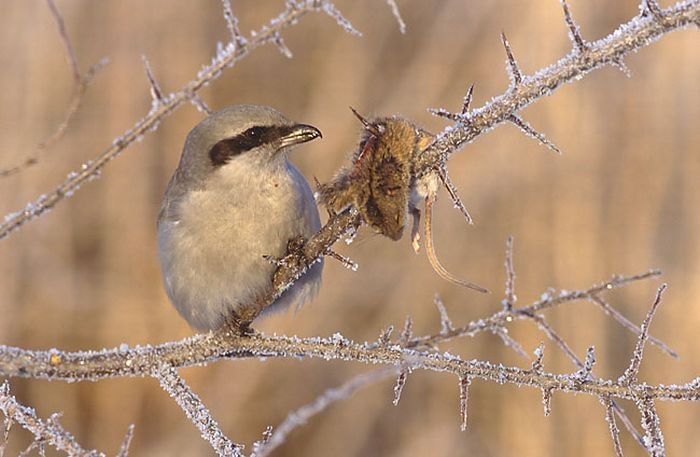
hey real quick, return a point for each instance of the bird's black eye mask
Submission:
(256, 136)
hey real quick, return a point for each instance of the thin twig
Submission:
(397, 15)
(302, 415)
(516, 75)
(195, 410)
(202, 349)
(651, 424)
(80, 85)
(530, 131)
(511, 298)
(630, 375)
(6, 426)
(126, 442)
(574, 30)
(629, 325)
(464, 383)
(631, 36)
(70, 52)
(612, 426)
(48, 431)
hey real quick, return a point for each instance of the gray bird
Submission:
(234, 199)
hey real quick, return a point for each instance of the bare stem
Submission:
(195, 410)
(201, 349)
(45, 431)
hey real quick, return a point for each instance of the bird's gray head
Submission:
(250, 134)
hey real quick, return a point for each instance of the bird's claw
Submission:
(293, 256)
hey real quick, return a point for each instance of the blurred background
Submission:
(623, 198)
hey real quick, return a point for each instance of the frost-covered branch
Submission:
(195, 410)
(201, 349)
(126, 442)
(48, 431)
(226, 57)
(408, 353)
(526, 89)
(549, 299)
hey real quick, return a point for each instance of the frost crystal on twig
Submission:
(452, 191)
(464, 383)
(397, 15)
(537, 364)
(461, 117)
(467, 101)
(200, 104)
(195, 410)
(400, 383)
(630, 374)
(651, 6)
(620, 65)
(574, 29)
(585, 372)
(330, 9)
(156, 92)
(653, 438)
(70, 52)
(6, 426)
(48, 431)
(511, 298)
(612, 425)
(502, 332)
(516, 76)
(530, 131)
(547, 400)
(232, 25)
(345, 261)
(385, 336)
(126, 442)
(407, 331)
(626, 323)
(442, 112)
(260, 445)
(543, 325)
(281, 46)
(445, 322)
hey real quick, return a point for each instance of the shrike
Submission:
(234, 199)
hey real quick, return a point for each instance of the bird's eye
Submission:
(254, 132)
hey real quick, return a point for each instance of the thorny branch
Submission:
(225, 58)
(524, 90)
(629, 37)
(410, 352)
(48, 431)
(407, 354)
(223, 343)
(195, 410)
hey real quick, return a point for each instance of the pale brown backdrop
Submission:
(623, 198)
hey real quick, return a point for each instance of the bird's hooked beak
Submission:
(299, 133)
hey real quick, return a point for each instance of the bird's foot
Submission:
(294, 255)
(240, 324)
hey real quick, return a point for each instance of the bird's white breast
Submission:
(212, 252)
